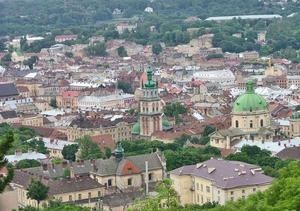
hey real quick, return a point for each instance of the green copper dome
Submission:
(150, 83)
(250, 101)
(136, 129)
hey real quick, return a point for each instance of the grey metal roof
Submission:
(8, 89)
(226, 174)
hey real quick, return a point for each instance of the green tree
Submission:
(56, 161)
(67, 173)
(31, 61)
(122, 51)
(125, 86)
(107, 152)
(69, 152)
(88, 149)
(5, 145)
(37, 145)
(37, 191)
(297, 108)
(156, 48)
(69, 54)
(166, 195)
(27, 163)
(98, 49)
(53, 102)
(2, 45)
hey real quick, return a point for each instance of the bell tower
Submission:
(150, 108)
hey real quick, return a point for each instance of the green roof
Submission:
(136, 129)
(250, 101)
(150, 83)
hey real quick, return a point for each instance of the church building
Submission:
(250, 120)
(151, 110)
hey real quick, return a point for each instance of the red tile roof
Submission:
(104, 141)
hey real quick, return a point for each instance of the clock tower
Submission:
(150, 108)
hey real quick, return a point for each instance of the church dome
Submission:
(250, 101)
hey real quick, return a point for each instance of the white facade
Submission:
(223, 77)
(104, 102)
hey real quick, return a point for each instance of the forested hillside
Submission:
(33, 16)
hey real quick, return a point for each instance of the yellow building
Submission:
(272, 71)
(218, 181)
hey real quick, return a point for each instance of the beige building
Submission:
(32, 120)
(294, 129)
(218, 181)
(94, 181)
(68, 100)
(118, 128)
(273, 71)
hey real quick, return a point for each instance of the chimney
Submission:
(64, 164)
(45, 166)
(18, 153)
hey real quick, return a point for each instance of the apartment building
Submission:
(218, 180)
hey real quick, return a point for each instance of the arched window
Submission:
(261, 122)
(251, 124)
(236, 123)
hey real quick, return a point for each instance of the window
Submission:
(150, 177)
(99, 193)
(129, 182)
(90, 195)
(243, 191)
(254, 189)
(207, 189)
(236, 123)
(79, 196)
(231, 192)
(261, 122)
(197, 186)
(109, 182)
(70, 197)
(251, 124)
(129, 170)
(201, 187)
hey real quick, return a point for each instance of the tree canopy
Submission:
(69, 152)
(27, 163)
(5, 144)
(88, 149)
(37, 191)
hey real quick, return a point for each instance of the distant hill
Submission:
(33, 16)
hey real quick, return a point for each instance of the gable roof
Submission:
(289, 153)
(8, 114)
